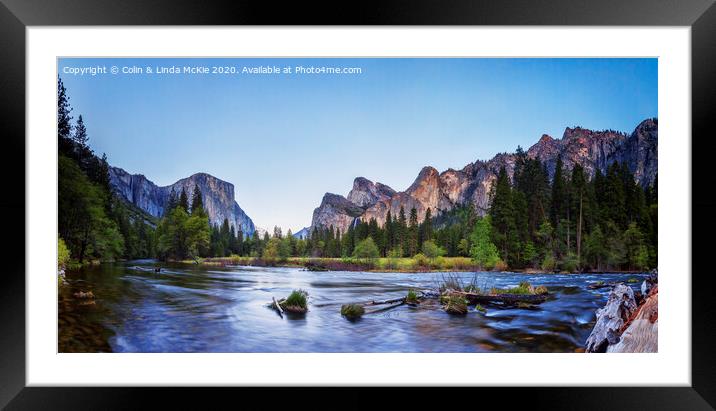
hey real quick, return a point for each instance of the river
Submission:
(206, 309)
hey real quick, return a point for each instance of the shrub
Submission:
(63, 254)
(412, 297)
(421, 260)
(455, 304)
(570, 263)
(471, 288)
(548, 263)
(500, 266)
(451, 282)
(524, 288)
(480, 308)
(297, 301)
(432, 250)
(366, 250)
(352, 311)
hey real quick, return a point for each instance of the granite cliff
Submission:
(217, 195)
(593, 150)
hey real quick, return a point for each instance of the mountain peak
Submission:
(217, 195)
(546, 138)
(365, 193)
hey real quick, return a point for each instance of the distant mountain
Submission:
(303, 233)
(217, 195)
(593, 150)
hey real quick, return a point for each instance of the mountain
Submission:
(593, 150)
(217, 195)
(303, 233)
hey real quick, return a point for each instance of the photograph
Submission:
(357, 205)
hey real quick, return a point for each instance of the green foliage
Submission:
(432, 250)
(548, 263)
(529, 254)
(182, 235)
(455, 304)
(421, 260)
(352, 311)
(412, 297)
(570, 263)
(483, 251)
(366, 249)
(63, 253)
(92, 221)
(297, 298)
(82, 215)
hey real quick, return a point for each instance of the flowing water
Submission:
(200, 309)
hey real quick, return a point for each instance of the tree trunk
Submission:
(568, 242)
(579, 231)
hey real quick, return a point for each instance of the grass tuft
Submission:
(455, 304)
(296, 302)
(412, 297)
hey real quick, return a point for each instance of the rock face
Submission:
(335, 211)
(217, 195)
(593, 150)
(610, 319)
(303, 233)
(365, 193)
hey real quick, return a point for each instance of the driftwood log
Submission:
(610, 319)
(597, 286)
(277, 307)
(507, 299)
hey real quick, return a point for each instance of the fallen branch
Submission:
(510, 299)
(390, 307)
(277, 306)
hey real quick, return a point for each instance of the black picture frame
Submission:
(16, 15)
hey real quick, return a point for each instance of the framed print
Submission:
(470, 201)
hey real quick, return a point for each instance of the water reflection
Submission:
(195, 309)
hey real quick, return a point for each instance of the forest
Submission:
(571, 223)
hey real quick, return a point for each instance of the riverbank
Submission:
(388, 265)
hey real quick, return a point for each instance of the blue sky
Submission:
(284, 140)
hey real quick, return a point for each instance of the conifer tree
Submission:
(412, 244)
(80, 133)
(197, 204)
(402, 231)
(184, 201)
(64, 125)
(504, 233)
(559, 195)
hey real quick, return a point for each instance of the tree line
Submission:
(92, 222)
(570, 222)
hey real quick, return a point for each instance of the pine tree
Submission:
(80, 133)
(64, 125)
(402, 231)
(184, 200)
(579, 188)
(412, 241)
(504, 232)
(171, 202)
(197, 204)
(426, 228)
(559, 195)
(389, 231)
